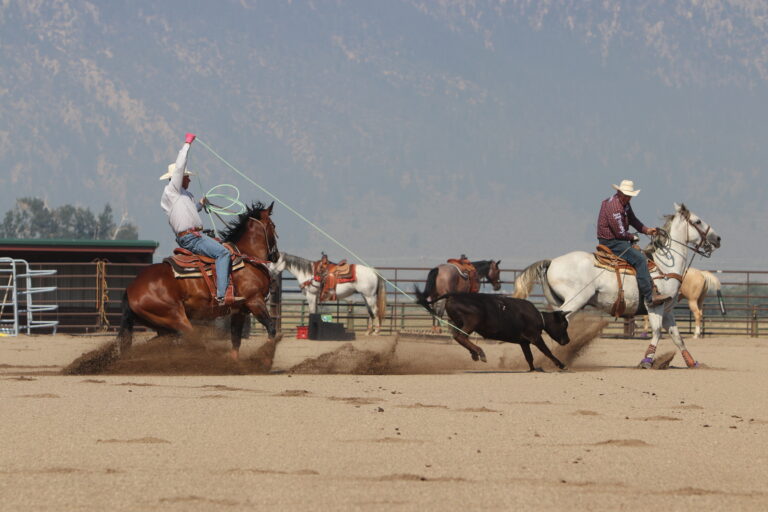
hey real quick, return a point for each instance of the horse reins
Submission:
(271, 249)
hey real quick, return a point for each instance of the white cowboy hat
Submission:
(171, 168)
(627, 188)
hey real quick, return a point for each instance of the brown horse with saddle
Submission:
(166, 296)
(459, 275)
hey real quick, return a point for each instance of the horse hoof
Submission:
(234, 355)
(482, 357)
(646, 363)
(475, 357)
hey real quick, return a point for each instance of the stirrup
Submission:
(229, 300)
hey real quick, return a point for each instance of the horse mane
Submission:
(298, 262)
(482, 267)
(236, 228)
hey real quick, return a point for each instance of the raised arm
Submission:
(181, 165)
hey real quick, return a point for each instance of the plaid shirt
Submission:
(614, 220)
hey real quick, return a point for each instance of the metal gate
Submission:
(19, 286)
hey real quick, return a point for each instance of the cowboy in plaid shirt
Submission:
(613, 223)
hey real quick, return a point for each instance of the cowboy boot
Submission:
(657, 298)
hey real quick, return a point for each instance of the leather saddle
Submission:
(467, 271)
(604, 258)
(331, 274)
(188, 265)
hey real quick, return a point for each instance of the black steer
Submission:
(501, 318)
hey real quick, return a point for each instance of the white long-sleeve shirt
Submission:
(178, 202)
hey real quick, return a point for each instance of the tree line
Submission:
(31, 218)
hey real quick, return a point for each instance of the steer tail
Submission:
(381, 300)
(422, 299)
(125, 333)
(525, 281)
(430, 288)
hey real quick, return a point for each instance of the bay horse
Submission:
(367, 283)
(573, 281)
(157, 299)
(447, 278)
(497, 317)
(696, 285)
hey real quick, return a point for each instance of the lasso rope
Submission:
(233, 207)
(317, 228)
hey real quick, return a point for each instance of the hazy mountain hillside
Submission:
(413, 129)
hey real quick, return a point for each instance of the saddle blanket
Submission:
(180, 272)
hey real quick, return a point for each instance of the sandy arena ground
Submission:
(429, 430)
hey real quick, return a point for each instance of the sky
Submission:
(410, 131)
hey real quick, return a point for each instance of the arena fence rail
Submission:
(88, 296)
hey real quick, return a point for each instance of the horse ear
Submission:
(270, 207)
(498, 263)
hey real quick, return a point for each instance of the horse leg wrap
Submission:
(689, 360)
(647, 361)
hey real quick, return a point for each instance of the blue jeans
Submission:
(637, 259)
(207, 246)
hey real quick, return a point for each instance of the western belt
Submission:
(190, 230)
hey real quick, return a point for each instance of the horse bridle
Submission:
(272, 252)
(703, 248)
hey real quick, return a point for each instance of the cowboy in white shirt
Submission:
(185, 220)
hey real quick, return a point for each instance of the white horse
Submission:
(367, 283)
(572, 281)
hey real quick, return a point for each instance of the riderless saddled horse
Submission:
(696, 285)
(163, 299)
(574, 280)
(314, 278)
(459, 275)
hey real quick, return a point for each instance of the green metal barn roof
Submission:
(55, 242)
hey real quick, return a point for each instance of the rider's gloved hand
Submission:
(190, 138)
(635, 239)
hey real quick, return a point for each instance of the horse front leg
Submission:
(655, 320)
(698, 316)
(674, 332)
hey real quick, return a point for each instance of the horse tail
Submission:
(525, 281)
(128, 320)
(711, 282)
(381, 300)
(430, 288)
(422, 299)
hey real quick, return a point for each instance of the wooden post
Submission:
(754, 327)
